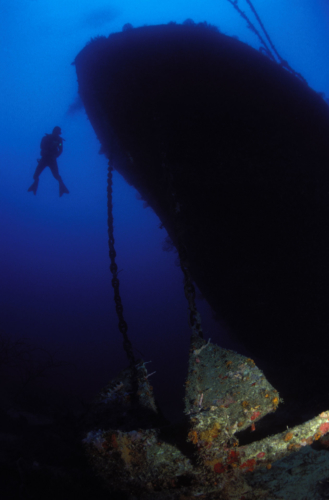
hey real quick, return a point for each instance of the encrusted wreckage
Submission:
(141, 455)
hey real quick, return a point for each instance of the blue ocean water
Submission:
(55, 282)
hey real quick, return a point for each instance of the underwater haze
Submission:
(55, 281)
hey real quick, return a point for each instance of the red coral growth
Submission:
(219, 468)
(248, 465)
(261, 454)
(233, 457)
(255, 415)
(324, 428)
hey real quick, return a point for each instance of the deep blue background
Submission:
(55, 282)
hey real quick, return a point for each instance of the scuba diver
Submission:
(51, 148)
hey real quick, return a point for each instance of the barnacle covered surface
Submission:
(225, 393)
(201, 456)
(131, 445)
(137, 452)
(226, 387)
(139, 461)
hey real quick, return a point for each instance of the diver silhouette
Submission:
(51, 148)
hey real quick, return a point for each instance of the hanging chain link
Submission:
(194, 317)
(123, 327)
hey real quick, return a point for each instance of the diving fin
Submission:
(62, 188)
(34, 186)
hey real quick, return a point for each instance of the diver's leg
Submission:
(54, 169)
(34, 186)
(42, 163)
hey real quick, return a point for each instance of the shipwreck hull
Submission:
(244, 144)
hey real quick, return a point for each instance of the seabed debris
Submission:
(142, 456)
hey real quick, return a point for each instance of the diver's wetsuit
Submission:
(51, 149)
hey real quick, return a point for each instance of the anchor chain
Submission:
(123, 327)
